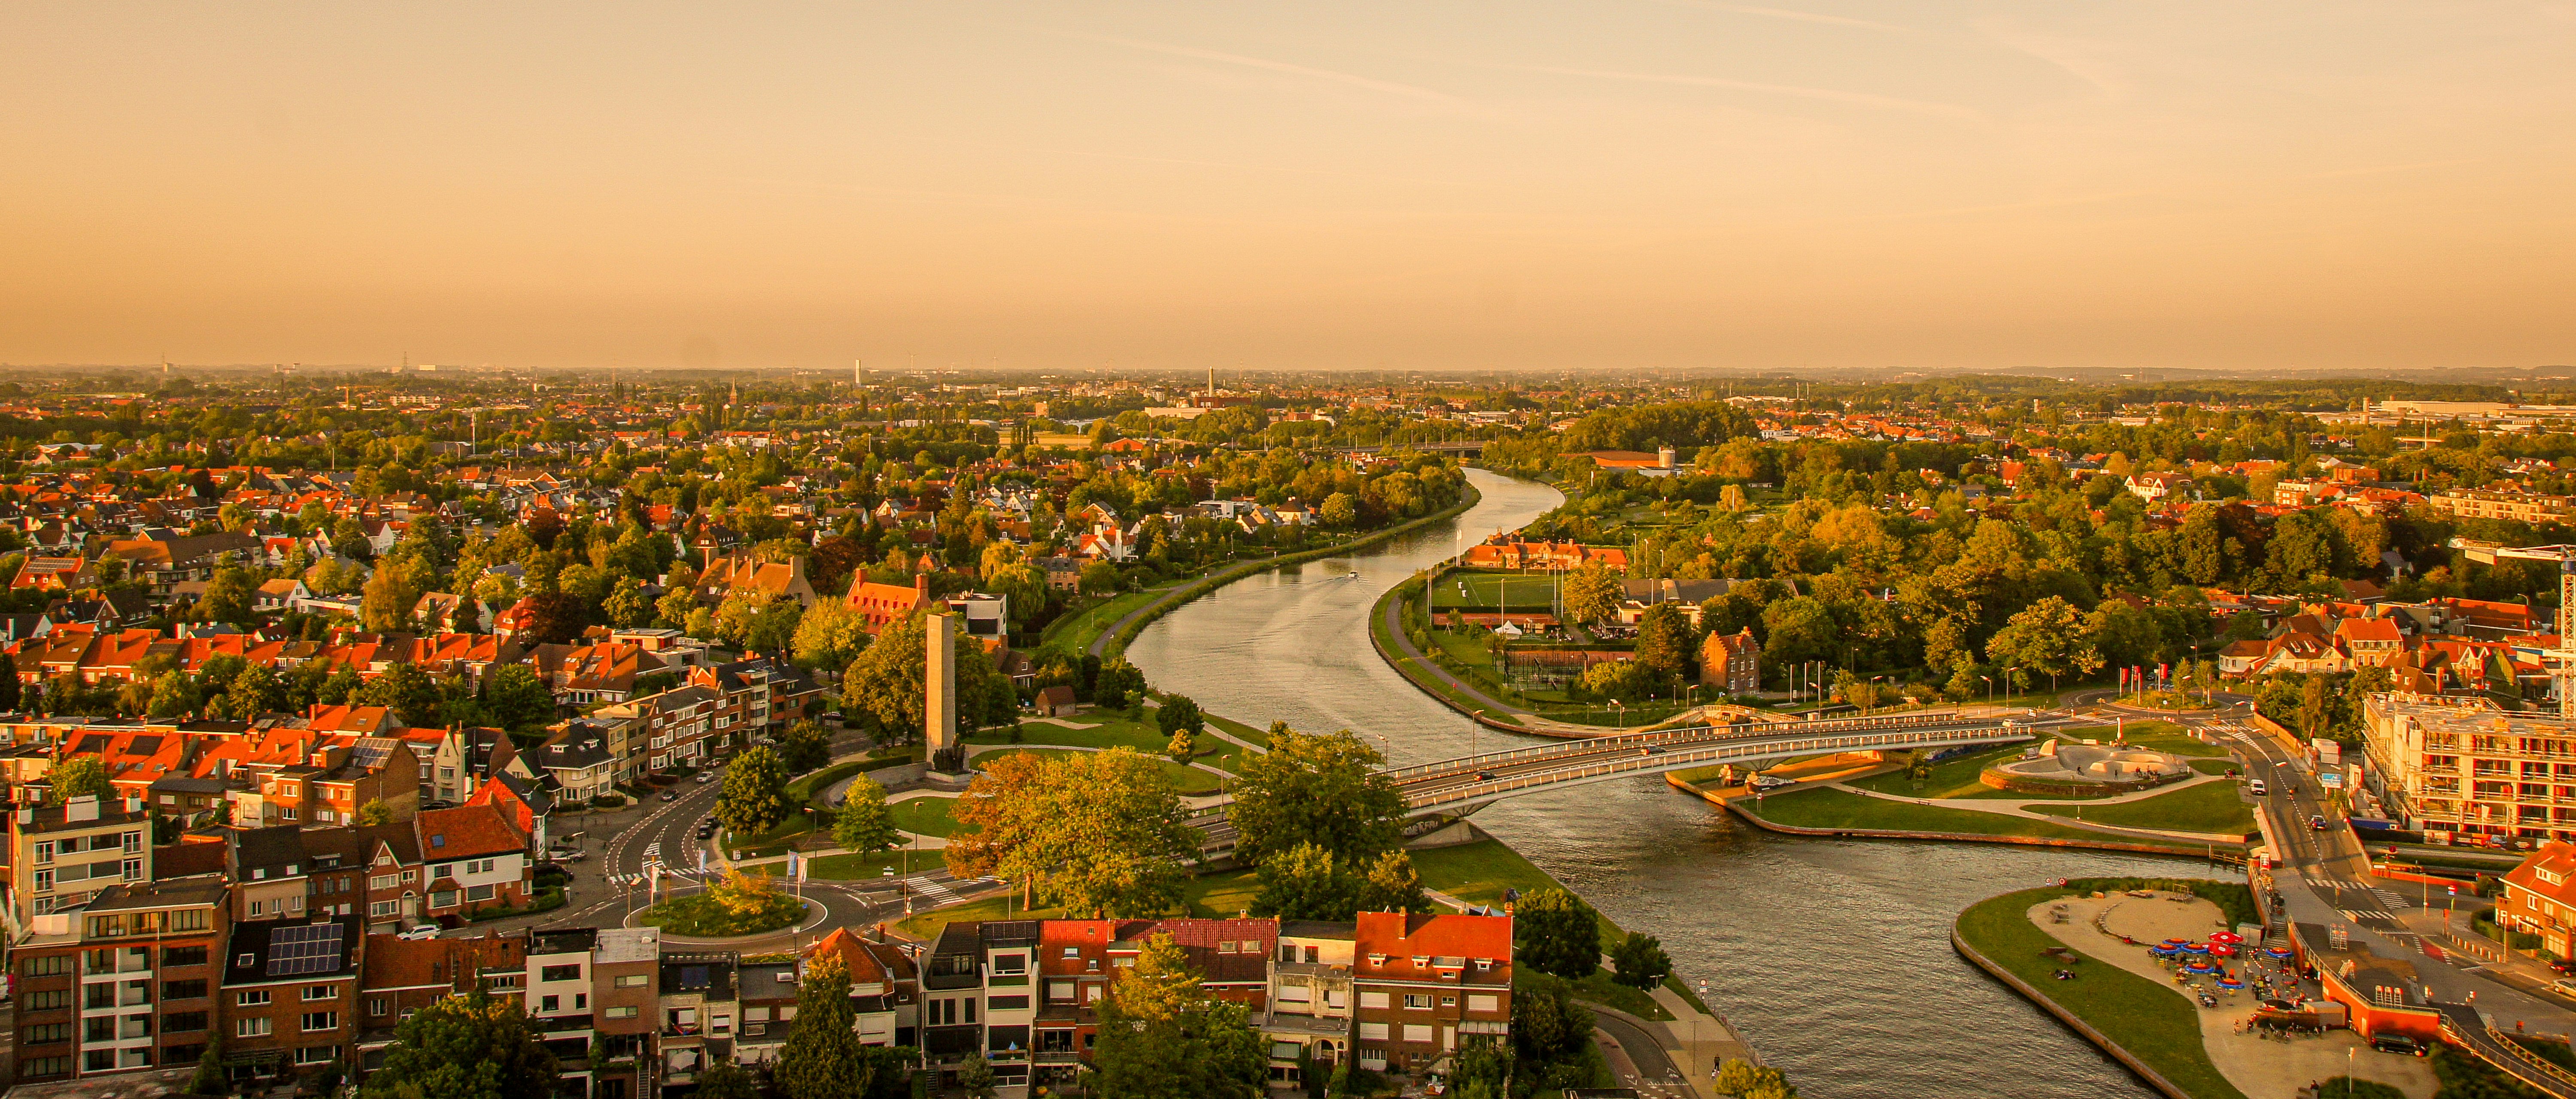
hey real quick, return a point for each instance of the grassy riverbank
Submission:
(2153, 1023)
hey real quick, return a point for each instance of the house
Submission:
(400, 976)
(2159, 486)
(1310, 997)
(279, 596)
(1056, 701)
(1425, 983)
(1062, 573)
(745, 574)
(475, 858)
(2538, 898)
(885, 987)
(1731, 662)
(576, 758)
(883, 605)
(289, 992)
(2373, 642)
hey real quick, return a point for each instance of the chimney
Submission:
(921, 583)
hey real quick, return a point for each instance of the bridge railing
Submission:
(1718, 752)
(1690, 734)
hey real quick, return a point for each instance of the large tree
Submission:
(1321, 789)
(754, 796)
(79, 776)
(1097, 833)
(1665, 641)
(865, 823)
(805, 746)
(519, 700)
(823, 1058)
(1305, 883)
(465, 1047)
(1557, 934)
(1591, 593)
(1163, 1037)
(2047, 637)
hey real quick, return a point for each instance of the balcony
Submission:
(1008, 980)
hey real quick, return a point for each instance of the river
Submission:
(1832, 957)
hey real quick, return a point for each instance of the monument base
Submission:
(948, 780)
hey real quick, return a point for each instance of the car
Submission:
(2258, 788)
(1650, 750)
(670, 795)
(424, 931)
(2317, 822)
(2399, 1043)
(570, 856)
(1484, 776)
(704, 779)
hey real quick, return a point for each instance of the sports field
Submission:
(1485, 591)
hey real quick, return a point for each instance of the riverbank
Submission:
(1824, 811)
(1113, 639)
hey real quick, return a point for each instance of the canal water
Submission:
(1832, 957)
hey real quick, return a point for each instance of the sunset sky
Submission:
(1689, 183)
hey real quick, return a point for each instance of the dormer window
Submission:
(1420, 960)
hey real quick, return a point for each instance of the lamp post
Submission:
(1990, 690)
(1873, 683)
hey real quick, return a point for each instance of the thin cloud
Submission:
(1792, 16)
(1828, 95)
(2071, 56)
(1329, 75)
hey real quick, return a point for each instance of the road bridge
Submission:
(1436, 793)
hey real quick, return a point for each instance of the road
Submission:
(1657, 1075)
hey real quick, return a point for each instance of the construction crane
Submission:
(2562, 659)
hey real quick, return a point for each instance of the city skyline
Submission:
(1715, 185)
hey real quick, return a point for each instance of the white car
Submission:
(2564, 986)
(2258, 788)
(424, 931)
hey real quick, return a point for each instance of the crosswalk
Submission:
(939, 892)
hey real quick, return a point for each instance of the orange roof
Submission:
(472, 831)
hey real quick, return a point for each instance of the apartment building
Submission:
(1308, 1008)
(699, 1003)
(400, 976)
(1425, 983)
(768, 998)
(121, 985)
(290, 994)
(2520, 507)
(2448, 765)
(977, 998)
(61, 855)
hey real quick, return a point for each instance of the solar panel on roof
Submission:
(311, 948)
(371, 755)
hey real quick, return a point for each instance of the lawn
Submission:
(847, 867)
(1485, 591)
(1824, 807)
(2161, 736)
(1951, 778)
(808, 789)
(701, 916)
(1189, 781)
(926, 815)
(1075, 628)
(2207, 807)
(775, 841)
(2154, 1023)
(1239, 730)
(1111, 729)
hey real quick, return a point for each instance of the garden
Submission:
(739, 904)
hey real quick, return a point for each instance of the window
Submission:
(1416, 1032)
(1483, 1002)
(183, 990)
(133, 842)
(631, 980)
(550, 1003)
(1372, 1000)
(621, 1012)
(483, 866)
(317, 1055)
(258, 908)
(1007, 1003)
(190, 919)
(52, 999)
(1417, 1001)
(478, 892)
(48, 1033)
(46, 965)
(183, 1021)
(1373, 1032)
(253, 998)
(44, 881)
(380, 908)
(286, 812)
(321, 992)
(256, 1026)
(99, 1060)
(376, 1005)
(321, 1020)
(381, 881)
(132, 869)
(443, 898)
(442, 870)
(44, 852)
(559, 973)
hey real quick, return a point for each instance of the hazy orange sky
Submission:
(1688, 183)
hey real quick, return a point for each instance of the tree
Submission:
(1338, 510)
(1092, 832)
(1665, 641)
(412, 695)
(887, 680)
(375, 812)
(1558, 934)
(1163, 1037)
(753, 798)
(804, 747)
(1641, 961)
(1324, 790)
(79, 776)
(1117, 683)
(828, 636)
(228, 597)
(173, 696)
(254, 692)
(1392, 885)
(627, 607)
(823, 1058)
(1181, 722)
(975, 1076)
(210, 1078)
(1098, 578)
(1591, 593)
(518, 699)
(1739, 1077)
(11, 691)
(2047, 637)
(1304, 883)
(465, 1047)
(384, 605)
(726, 1080)
(865, 823)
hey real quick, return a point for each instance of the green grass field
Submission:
(1951, 778)
(2207, 807)
(1075, 628)
(2154, 1023)
(1823, 807)
(1486, 591)
(1110, 729)
(1189, 781)
(926, 815)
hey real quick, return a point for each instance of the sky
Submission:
(1614, 183)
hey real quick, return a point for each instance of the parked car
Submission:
(2259, 789)
(424, 931)
(2564, 986)
(670, 795)
(2399, 1043)
(2317, 822)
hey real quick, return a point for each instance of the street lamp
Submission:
(1990, 690)
(1622, 707)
